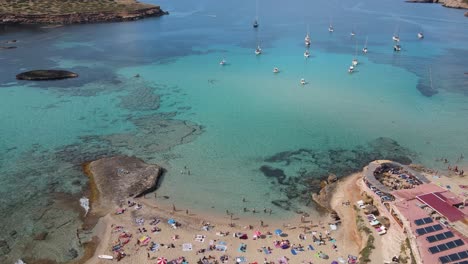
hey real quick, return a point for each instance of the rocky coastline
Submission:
(81, 18)
(459, 4)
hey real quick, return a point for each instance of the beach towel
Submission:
(266, 251)
(311, 247)
(222, 243)
(221, 247)
(187, 247)
(293, 251)
(241, 259)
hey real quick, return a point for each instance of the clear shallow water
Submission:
(224, 123)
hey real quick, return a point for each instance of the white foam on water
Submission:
(84, 202)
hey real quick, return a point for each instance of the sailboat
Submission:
(420, 35)
(351, 69)
(303, 82)
(258, 50)
(255, 23)
(353, 33)
(355, 61)
(365, 50)
(307, 37)
(222, 62)
(396, 35)
(330, 27)
(397, 47)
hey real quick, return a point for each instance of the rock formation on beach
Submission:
(44, 75)
(75, 12)
(117, 178)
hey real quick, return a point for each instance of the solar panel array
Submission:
(439, 237)
(423, 221)
(429, 229)
(454, 257)
(446, 246)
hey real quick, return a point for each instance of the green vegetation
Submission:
(404, 251)
(57, 7)
(367, 250)
(362, 227)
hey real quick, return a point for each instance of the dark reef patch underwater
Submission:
(314, 165)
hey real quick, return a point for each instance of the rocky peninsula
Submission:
(45, 75)
(74, 12)
(118, 178)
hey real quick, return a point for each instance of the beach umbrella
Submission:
(278, 232)
(162, 260)
(171, 221)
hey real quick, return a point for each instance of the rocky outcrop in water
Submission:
(447, 3)
(454, 3)
(120, 177)
(45, 75)
(81, 18)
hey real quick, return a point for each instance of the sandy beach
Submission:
(115, 230)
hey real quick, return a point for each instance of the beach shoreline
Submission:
(346, 239)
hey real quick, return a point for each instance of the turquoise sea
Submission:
(241, 130)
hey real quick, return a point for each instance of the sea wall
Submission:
(81, 18)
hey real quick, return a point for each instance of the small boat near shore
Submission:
(275, 70)
(222, 62)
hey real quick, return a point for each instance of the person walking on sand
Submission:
(173, 208)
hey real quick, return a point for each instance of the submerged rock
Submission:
(120, 177)
(8, 47)
(4, 248)
(44, 75)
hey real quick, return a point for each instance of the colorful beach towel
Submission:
(293, 251)
(311, 247)
(187, 247)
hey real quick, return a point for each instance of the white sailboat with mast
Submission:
(330, 26)
(255, 23)
(307, 37)
(365, 50)
(355, 60)
(396, 35)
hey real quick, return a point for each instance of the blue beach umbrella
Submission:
(171, 221)
(278, 232)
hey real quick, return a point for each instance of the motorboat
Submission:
(307, 54)
(397, 47)
(355, 62)
(275, 70)
(222, 62)
(396, 38)
(351, 69)
(420, 35)
(303, 82)
(330, 28)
